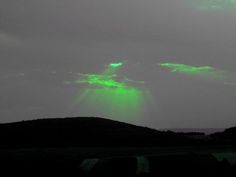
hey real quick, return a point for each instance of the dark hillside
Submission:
(83, 131)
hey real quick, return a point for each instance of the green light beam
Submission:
(125, 104)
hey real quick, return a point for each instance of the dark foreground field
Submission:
(112, 161)
(100, 147)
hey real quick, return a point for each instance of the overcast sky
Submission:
(44, 43)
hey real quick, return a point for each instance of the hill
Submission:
(227, 137)
(83, 131)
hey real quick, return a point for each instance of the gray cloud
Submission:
(7, 40)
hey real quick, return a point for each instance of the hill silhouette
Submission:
(83, 131)
(90, 146)
(226, 137)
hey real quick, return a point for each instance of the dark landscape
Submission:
(101, 147)
(118, 88)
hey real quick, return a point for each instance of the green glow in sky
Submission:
(215, 4)
(116, 65)
(123, 104)
(112, 68)
(175, 67)
(225, 77)
(102, 80)
(109, 96)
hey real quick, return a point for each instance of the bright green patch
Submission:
(101, 80)
(116, 65)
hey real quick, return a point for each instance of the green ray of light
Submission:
(125, 104)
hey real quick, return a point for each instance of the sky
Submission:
(46, 45)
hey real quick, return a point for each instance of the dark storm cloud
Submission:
(52, 40)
